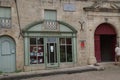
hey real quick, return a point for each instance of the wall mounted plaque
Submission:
(69, 7)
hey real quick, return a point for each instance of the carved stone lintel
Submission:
(90, 18)
(5, 3)
(103, 6)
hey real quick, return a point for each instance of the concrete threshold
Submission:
(41, 73)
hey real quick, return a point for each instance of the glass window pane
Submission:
(69, 53)
(66, 49)
(68, 40)
(36, 50)
(62, 54)
(40, 54)
(32, 41)
(62, 40)
(40, 41)
(33, 54)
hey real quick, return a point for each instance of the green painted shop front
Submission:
(50, 43)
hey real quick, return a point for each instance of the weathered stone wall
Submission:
(14, 32)
(31, 11)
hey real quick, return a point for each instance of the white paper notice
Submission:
(51, 48)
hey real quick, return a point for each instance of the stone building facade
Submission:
(47, 34)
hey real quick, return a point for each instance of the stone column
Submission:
(91, 51)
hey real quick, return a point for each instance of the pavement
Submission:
(110, 72)
(24, 75)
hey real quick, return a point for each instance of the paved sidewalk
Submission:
(23, 75)
(110, 72)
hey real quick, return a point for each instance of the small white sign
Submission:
(51, 48)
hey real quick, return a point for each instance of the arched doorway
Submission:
(7, 54)
(105, 40)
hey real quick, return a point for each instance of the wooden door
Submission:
(104, 29)
(97, 48)
(7, 54)
(52, 56)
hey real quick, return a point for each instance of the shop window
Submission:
(5, 17)
(36, 50)
(65, 50)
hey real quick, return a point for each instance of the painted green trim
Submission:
(46, 32)
(32, 25)
(50, 36)
(47, 65)
(45, 53)
(68, 25)
(58, 52)
(74, 50)
(42, 21)
(26, 51)
(53, 36)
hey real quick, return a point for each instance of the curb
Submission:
(18, 76)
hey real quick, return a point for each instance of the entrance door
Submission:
(105, 40)
(107, 47)
(7, 54)
(52, 60)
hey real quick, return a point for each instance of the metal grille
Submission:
(51, 25)
(5, 22)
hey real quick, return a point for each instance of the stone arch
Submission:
(105, 28)
(104, 39)
(12, 38)
(41, 23)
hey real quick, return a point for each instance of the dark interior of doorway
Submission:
(107, 48)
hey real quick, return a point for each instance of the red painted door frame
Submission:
(113, 45)
(97, 48)
(103, 29)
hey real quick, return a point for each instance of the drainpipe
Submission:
(18, 19)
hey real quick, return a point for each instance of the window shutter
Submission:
(50, 15)
(5, 12)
